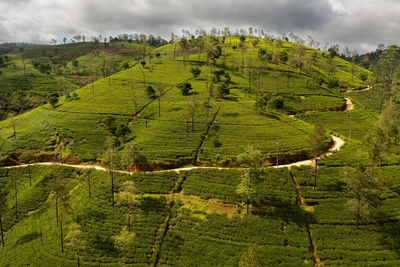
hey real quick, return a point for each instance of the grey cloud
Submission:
(360, 23)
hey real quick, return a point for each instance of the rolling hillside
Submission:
(206, 125)
(200, 107)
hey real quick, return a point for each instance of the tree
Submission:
(126, 197)
(122, 131)
(124, 240)
(251, 258)
(107, 66)
(28, 157)
(242, 48)
(13, 183)
(387, 66)
(143, 64)
(276, 57)
(53, 101)
(363, 190)
(150, 91)
(223, 90)
(62, 85)
(195, 71)
(75, 240)
(389, 122)
(191, 108)
(251, 160)
(184, 47)
(109, 122)
(159, 93)
(317, 146)
(210, 93)
(374, 145)
(109, 153)
(3, 206)
(88, 174)
(58, 188)
(333, 50)
(135, 100)
(185, 88)
(75, 63)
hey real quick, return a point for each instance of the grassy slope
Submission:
(170, 139)
(35, 86)
(199, 221)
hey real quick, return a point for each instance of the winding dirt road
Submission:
(337, 144)
(349, 104)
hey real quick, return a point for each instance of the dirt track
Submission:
(337, 144)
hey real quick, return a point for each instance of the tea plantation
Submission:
(162, 174)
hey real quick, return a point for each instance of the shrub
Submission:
(276, 102)
(150, 91)
(363, 77)
(223, 90)
(333, 83)
(53, 101)
(195, 71)
(185, 88)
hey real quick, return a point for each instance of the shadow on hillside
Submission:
(287, 212)
(231, 98)
(28, 238)
(272, 116)
(151, 204)
(389, 227)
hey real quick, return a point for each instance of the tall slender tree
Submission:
(3, 206)
(363, 189)
(109, 153)
(58, 188)
(317, 145)
(251, 160)
(75, 240)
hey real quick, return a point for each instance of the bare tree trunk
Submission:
(112, 187)
(288, 77)
(16, 199)
(61, 232)
(249, 80)
(242, 62)
(131, 78)
(277, 77)
(129, 220)
(144, 79)
(2, 231)
(57, 209)
(159, 106)
(90, 191)
(357, 218)
(199, 55)
(41, 233)
(315, 174)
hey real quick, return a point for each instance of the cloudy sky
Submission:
(360, 24)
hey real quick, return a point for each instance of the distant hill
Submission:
(29, 76)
